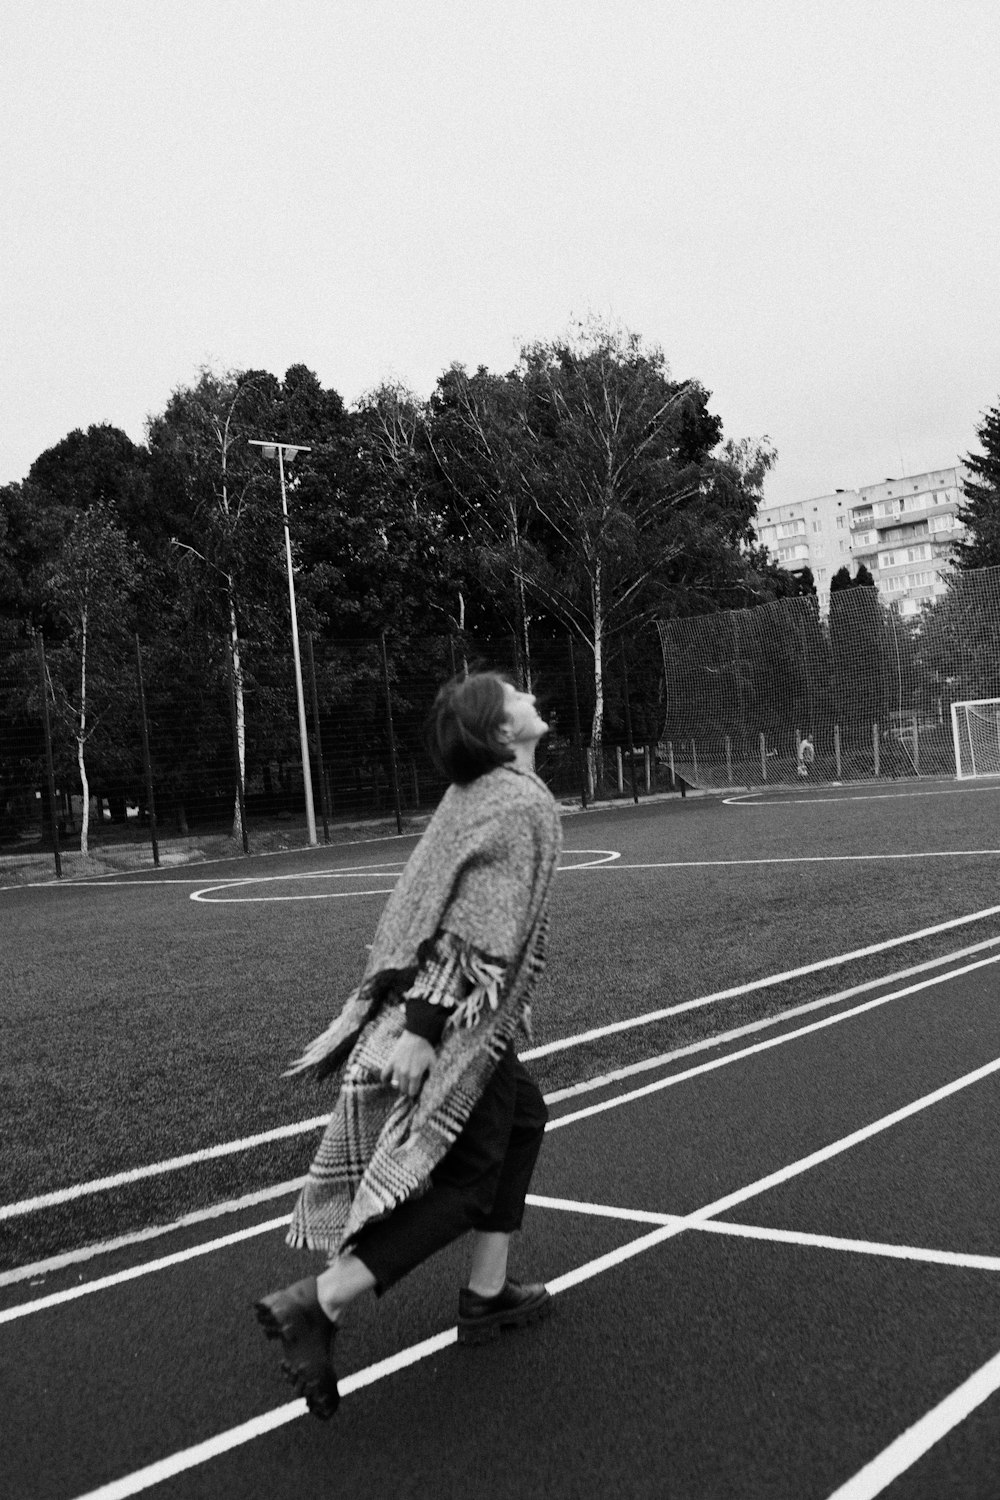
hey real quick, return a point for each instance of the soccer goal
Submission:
(975, 728)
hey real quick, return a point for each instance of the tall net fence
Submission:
(189, 751)
(185, 750)
(870, 689)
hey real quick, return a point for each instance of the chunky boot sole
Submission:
(486, 1328)
(306, 1366)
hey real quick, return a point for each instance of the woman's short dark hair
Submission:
(464, 724)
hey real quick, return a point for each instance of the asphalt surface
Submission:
(705, 1365)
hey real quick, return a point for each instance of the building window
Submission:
(841, 520)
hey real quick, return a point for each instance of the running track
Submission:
(777, 1276)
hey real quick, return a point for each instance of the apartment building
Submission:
(903, 530)
(814, 534)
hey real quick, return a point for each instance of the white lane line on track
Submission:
(556, 1096)
(303, 1127)
(42, 1268)
(596, 1032)
(73, 1293)
(959, 1259)
(722, 1038)
(136, 1174)
(568, 1119)
(778, 1041)
(917, 1440)
(143, 1479)
(955, 1258)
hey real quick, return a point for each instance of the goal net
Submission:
(975, 728)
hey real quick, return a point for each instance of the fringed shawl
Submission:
(483, 870)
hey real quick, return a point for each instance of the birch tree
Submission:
(90, 589)
(616, 464)
(201, 457)
(479, 438)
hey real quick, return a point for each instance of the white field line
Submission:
(54, 1298)
(303, 1127)
(743, 798)
(207, 894)
(92, 882)
(177, 1463)
(736, 990)
(55, 884)
(777, 1041)
(789, 859)
(912, 1444)
(589, 1085)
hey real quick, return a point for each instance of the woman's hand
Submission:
(408, 1064)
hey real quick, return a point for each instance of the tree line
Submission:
(581, 494)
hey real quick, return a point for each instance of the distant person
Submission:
(806, 756)
(437, 1125)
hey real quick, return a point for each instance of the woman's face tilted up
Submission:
(522, 722)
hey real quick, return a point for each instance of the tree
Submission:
(980, 547)
(842, 579)
(222, 496)
(33, 527)
(634, 514)
(102, 466)
(477, 434)
(90, 587)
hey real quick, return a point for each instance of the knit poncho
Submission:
(483, 871)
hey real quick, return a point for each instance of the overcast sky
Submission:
(797, 201)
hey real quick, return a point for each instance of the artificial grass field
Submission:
(140, 1025)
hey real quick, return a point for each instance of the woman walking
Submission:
(436, 1126)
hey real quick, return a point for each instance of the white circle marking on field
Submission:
(215, 895)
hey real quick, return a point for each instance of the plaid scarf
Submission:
(483, 870)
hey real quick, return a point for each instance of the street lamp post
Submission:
(283, 451)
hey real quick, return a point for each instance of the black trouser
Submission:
(480, 1183)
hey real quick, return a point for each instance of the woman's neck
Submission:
(524, 755)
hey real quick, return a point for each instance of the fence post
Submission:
(240, 799)
(147, 764)
(577, 733)
(645, 758)
(628, 727)
(729, 761)
(763, 757)
(875, 749)
(836, 748)
(49, 768)
(694, 760)
(670, 757)
(324, 804)
(916, 747)
(618, 764)
(392, 739)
